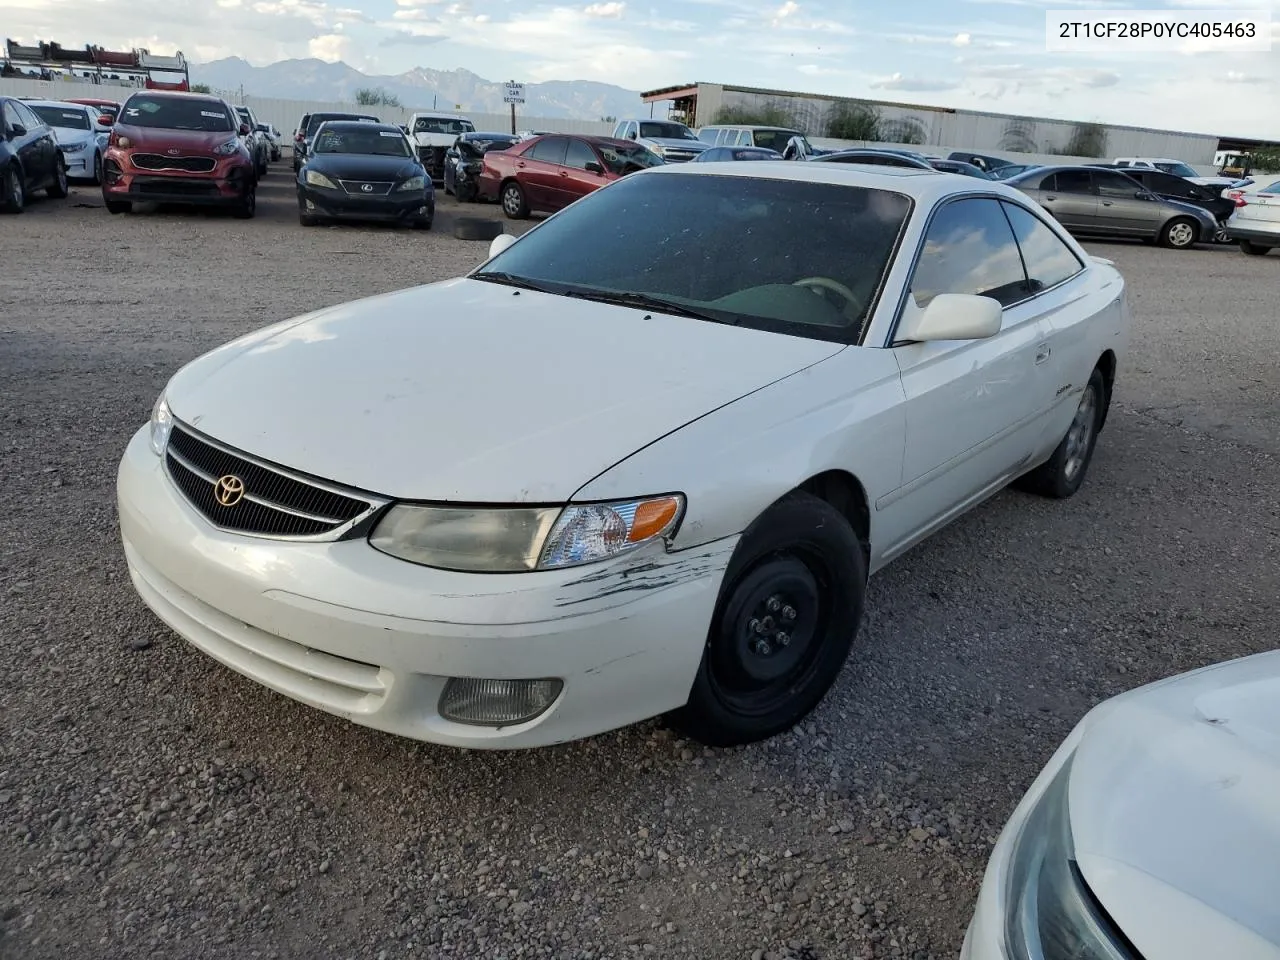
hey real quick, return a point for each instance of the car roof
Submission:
(441, 116)
(363, 125)
(176, 95)
(925, 186)
(55, 103)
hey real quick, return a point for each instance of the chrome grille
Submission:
(356, 188)
(678, 156)
(154, 161)
(275, 503)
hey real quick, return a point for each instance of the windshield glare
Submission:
(442, 125)
(177, 113)
(658, 130)
(735, 248)
(621, 159)
(368, 142)
(313, 124)
(62, 117)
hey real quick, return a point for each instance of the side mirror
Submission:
(594, 166)
(18, 130)
(105, 121)
(244, 130)
(632, 135)
(500, 243)
(953, 316)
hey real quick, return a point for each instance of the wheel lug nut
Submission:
(774, 604)
(764, 649)
(788, 613)
(754, 625)
(782, 639)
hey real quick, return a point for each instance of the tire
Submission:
(248, 205)
(13, 195)
(1253, 249)
(1180, 233)
(514, 203)
(476, 228)
(424, 223)
(306, 220)
(1062, 474)
(118, 206)
(97, 170)
(58, 189)
(799, 561)
(466, 193)
(1220, 235)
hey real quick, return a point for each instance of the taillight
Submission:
(1241, 202)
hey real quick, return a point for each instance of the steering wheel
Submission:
(853, 307)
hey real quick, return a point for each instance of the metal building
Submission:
(842, 118)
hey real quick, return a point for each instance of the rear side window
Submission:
(579, 155)
(1048, 260)
(550, 150)
(970, 248)
(1069, 181)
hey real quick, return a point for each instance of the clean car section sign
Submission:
(514, 93)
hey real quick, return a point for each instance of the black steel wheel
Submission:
(248, 204)
(58, 189)
(784, 624)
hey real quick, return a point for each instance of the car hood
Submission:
(471, 391)
(73, 135)
(354, 166)
(1174, 813)
(187, 141)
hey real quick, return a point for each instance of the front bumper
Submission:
(228, 183)
(338, 204)
(79, 164)
(356, 633)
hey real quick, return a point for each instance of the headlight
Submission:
(75, 147)
(1050, 914)
(514, 540)
(228, 148)
(161, 425)
(414, 183)
(317, 179)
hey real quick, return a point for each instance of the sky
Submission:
(977, 54)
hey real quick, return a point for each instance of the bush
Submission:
(854, 121)
(765, 115)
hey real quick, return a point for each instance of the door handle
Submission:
(519, 163)
(1051, 198)
(1042, 353)
(564, 173)
(1107, 203)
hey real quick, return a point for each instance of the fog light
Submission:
(497, 703)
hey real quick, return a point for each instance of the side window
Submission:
(1048, 260)
(1115, 184)
(579, 155)
(725, 136)
(970, 248)
(10, 114)
(708, 134)
(26, 117)
(549, 150)
(1071, 181)
(745, 139)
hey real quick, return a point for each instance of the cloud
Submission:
(613, 10)
(961, 40)
(786, 10)
(331, 47)
(914, 84)
(404, 38)
(1235, 76)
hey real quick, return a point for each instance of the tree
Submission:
(765, 115)
(1019, 136)
(200, 88)
(376, 97)
(903, 130)
(1087, 140)
(854, 121)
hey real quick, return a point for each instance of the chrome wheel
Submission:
(1181, 235)
(1080, 436)
(1220, 235)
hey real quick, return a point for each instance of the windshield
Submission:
(447, 125)
(368, 142)
(658, 130)
(620, 159)
(787, 256)
(313, 124)
(1178, 169)
(177, 113)
(777, 139)
(62, 117)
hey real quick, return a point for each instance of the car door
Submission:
(1122, 208)
(1069, 196)
(25, 141)
(972, 406)
(576, 180)
(538, 171)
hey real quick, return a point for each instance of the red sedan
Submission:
(549, 172)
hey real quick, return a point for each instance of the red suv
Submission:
(550, 172)
(169, 147)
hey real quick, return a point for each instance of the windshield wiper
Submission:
(644, 301)
(512, 280)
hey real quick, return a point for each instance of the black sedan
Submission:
(356, 170)
(962, 167)
(29, 157)
(1170, 186)
(464, 160)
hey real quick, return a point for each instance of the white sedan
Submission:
(641, 460)
(1152, 833)
(81, 138)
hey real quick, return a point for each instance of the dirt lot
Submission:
(154, 804)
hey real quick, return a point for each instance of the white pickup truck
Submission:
(434, 133)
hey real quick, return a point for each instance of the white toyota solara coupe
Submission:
(641, 460)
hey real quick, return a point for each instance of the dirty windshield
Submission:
(356, 138)
(178, 113)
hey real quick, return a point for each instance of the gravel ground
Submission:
(155, 804)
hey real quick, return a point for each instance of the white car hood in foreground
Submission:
(472, 391)
(1175, 812)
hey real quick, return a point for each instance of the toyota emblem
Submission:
(367, 187)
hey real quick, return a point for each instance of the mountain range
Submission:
(313, 79)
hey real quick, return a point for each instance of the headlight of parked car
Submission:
(75, 147)
(228, 148)
(317, 179)
(513, 540)
(161, 425)
(414, 183)
(1050, 914)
